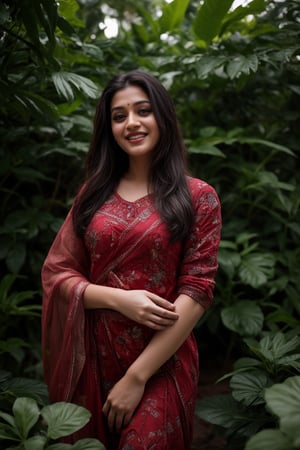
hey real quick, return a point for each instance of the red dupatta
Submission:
(65, 274)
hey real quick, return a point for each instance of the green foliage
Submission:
(283, 400)
(13, 387)
(257, 388)
(234, 76)
(30, 427)
(208, 21)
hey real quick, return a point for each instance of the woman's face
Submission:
(133, 123)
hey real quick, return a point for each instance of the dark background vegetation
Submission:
(234, 76)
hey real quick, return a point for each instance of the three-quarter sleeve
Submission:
(200, 251)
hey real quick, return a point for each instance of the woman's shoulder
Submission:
(199, 187)
(204, 196)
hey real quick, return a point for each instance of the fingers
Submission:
(163, 303)
(157, 323)
(116, 419)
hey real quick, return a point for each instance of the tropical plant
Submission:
(234, 76)
(32, 428)
(245, 410)
(283, 400)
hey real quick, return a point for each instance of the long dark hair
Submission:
(106, 162)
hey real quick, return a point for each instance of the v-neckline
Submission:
(133, 202)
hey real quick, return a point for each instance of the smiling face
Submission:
(133, 123)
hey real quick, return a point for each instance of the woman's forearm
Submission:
(96, 296)
(141, 306)
(165, 343)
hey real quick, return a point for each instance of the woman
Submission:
(129, 275)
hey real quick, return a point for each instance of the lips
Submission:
(136, 136)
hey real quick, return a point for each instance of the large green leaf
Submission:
(283, 399)
(172, 15)
(248, 387)
(244, 317)
(64, 418)
(68, 9)
(225, 411)
(208, 20)
(256, 268)
(232, 19)
(269, 440)
(26, 414)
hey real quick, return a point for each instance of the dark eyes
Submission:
(119, 117)
(145, 112)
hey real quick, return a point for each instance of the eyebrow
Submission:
(134, 104)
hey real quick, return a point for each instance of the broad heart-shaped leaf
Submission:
(283, 399)
(35, 443)
(26, 412)
(249, 387)
(245, 318)
(208, 20)
(269, 440)
(256, 268)
(64, 418)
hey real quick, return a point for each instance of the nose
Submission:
(132, 120)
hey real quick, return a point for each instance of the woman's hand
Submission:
(142, 306)
(146, 308)
(122, 402)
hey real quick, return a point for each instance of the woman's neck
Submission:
(135, 183)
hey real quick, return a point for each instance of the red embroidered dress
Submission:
(86, 352)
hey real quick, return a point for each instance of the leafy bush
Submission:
(234, 76)
(32, 428)
(246, 409)
(283, 400)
